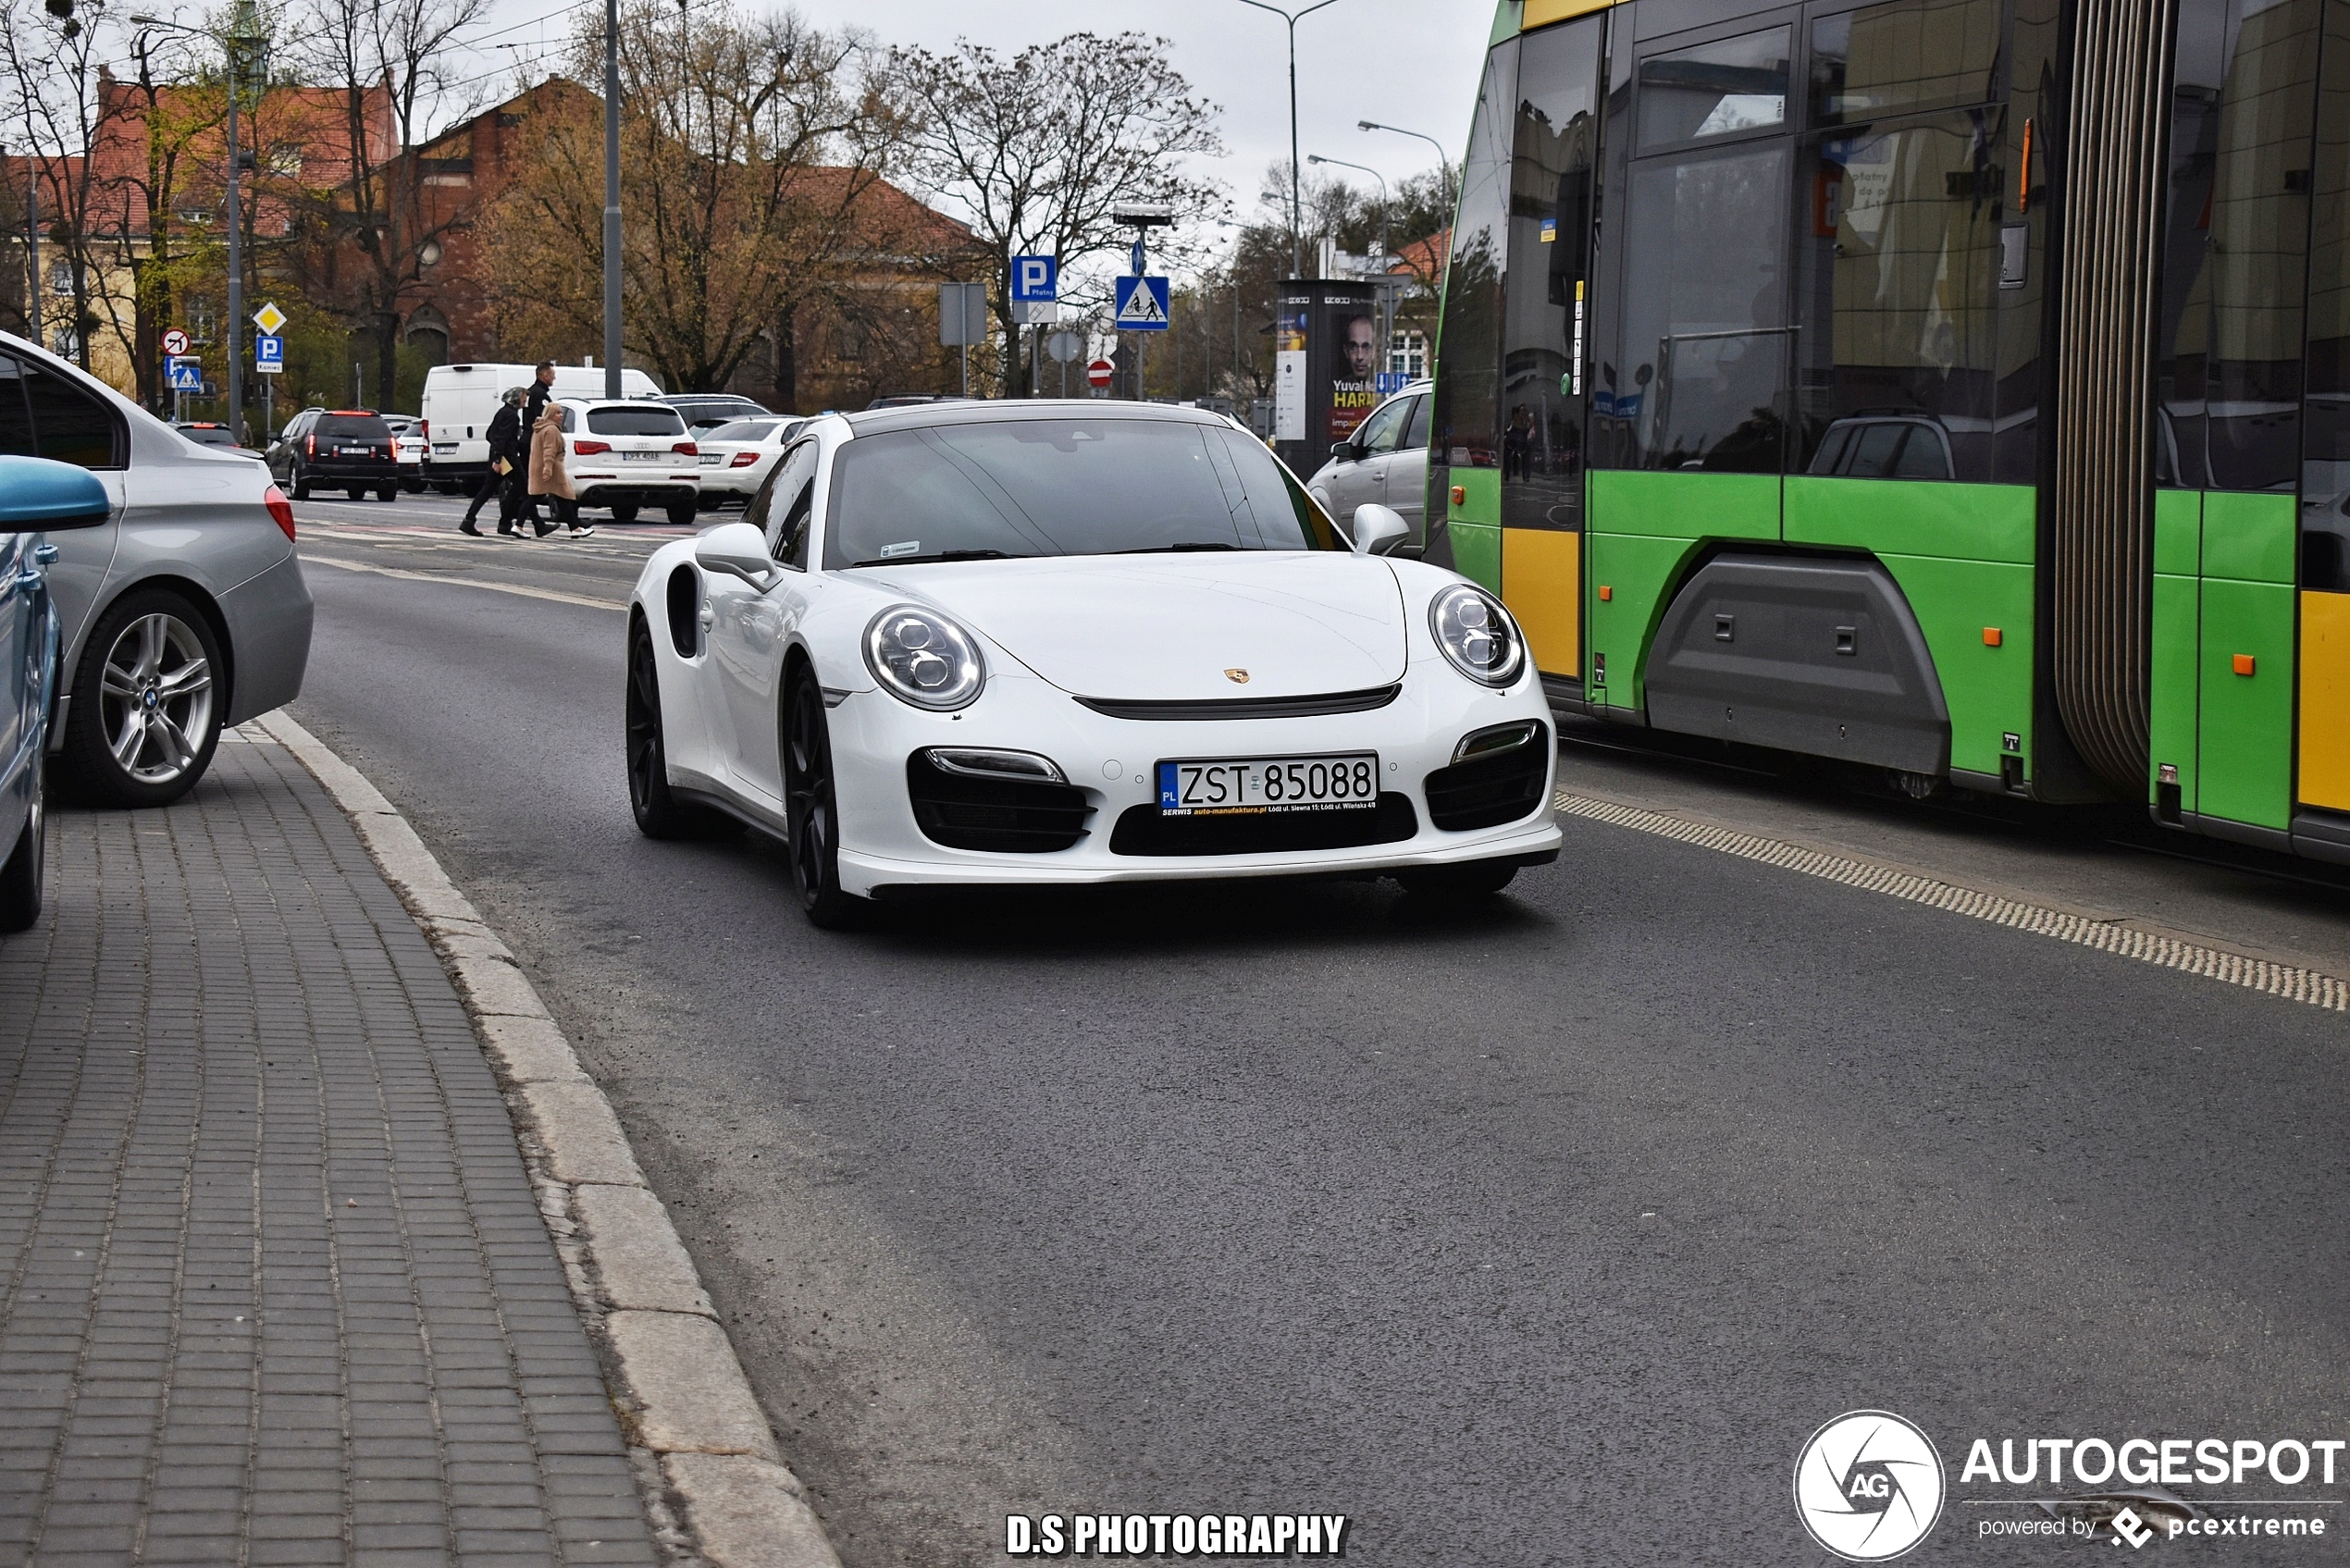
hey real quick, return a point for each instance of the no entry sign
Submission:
(1099, 372)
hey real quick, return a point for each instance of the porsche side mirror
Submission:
(1379, 529)
(737, 550)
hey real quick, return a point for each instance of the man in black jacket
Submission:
(506, 448)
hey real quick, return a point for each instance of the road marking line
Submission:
(516, 589)
(2264, 975)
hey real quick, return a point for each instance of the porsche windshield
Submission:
(1017, 487)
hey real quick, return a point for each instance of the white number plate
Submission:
(643, 456)
(1347, 781)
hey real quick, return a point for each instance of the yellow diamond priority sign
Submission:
(269, 318)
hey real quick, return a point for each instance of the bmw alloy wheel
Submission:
(155, 699)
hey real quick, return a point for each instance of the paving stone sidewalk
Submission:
(274, 1288)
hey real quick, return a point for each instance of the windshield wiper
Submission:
(1164, 549)
(943, 555)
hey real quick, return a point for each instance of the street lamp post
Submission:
(232, 44)
(1443, 158)
(612, 198)
(1296, 211)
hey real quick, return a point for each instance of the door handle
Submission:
(45, 554)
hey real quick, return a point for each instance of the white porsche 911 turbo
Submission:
(1008, 643)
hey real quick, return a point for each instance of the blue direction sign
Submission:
(1035, 279)
(184, 375)
(1387, 381)
(268, 354)
(1142, 304)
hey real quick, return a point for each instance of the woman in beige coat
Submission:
(548, 474)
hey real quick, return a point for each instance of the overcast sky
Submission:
(1412, 63)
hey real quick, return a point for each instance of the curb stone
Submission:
(689, 1407)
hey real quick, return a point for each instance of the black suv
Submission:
(345, 448)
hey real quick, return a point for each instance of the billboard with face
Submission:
(1327, 362)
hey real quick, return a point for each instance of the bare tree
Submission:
(50, 108)
(1034, 151)
(751, 153)
(389, 62)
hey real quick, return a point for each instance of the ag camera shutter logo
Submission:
(1868, 1486)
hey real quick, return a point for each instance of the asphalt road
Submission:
(1544, 1236)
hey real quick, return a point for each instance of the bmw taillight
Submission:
(744, 460)
(686, 448)
(280, 509)
(590, 449)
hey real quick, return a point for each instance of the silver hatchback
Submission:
(1386, 462)
(185, 612)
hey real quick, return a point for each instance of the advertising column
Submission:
(1325, 361)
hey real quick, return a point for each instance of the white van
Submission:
(461, 399)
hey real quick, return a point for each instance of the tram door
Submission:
(1547, 315)
(2324, 566)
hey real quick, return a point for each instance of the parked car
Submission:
(912, 656)
(183, 612)
(708, 410)
(1884, 446)
(736, 459)
(344, 448)
(408, 445)
(461, 399)
(627, 455)
(1385, 463)
(37, 497)
(207, 433)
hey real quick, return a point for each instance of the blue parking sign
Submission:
(1035, 279)
(269, 350)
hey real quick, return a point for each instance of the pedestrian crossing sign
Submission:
(1142, 304)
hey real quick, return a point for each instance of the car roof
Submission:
(873, 421)
(653, 404)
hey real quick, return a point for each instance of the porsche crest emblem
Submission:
(1238, 677)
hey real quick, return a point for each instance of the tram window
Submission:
(1718, 89)
(1902, 56)
(1467, 386)
(1896, 281)
(1546, 326)
(1704, 314)
(2325, 408)
(2229, 337)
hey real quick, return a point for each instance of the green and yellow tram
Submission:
(1960, 388)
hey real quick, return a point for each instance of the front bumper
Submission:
(884, 847)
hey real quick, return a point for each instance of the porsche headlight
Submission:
(923, 657)
(1477, 634)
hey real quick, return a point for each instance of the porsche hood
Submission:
(1183, 627)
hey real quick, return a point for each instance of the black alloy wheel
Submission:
(811, 811)
(20, 874)
(681, 513)
(623, 512)
(301, 482)
(148, 696)
(658, 813)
